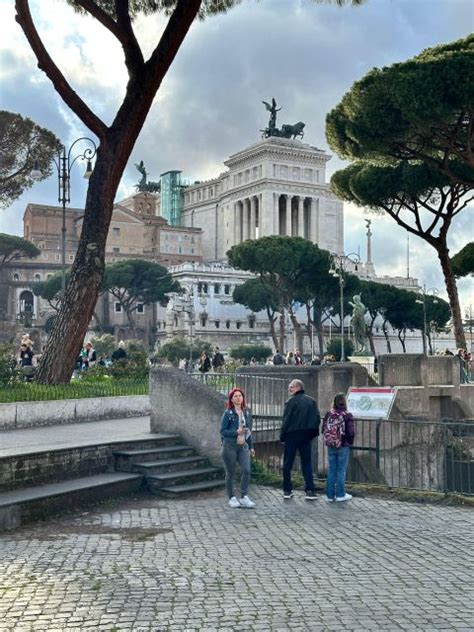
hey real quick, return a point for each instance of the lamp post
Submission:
(63, 163)
(339, 267)
(433, 291)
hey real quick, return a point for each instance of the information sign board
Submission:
(372, 403)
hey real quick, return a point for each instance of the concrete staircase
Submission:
(37, 485)
(171, 470)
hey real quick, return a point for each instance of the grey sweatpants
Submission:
(231, 455)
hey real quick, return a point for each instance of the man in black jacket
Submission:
(300, 426)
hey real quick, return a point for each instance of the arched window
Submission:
(37, 277)
(16, 277)
(26, 302)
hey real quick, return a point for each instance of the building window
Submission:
(217, 288)
(252, 322)
(115, 231)
(238, 324)
(57, 257)
(203, 320)
(227, 324)
(227, 289)
(115, 250)
(16, 277)
(117, 307)
(202, 288)
(71, 257)
(37, 277)
(217, 324)
(140, 308)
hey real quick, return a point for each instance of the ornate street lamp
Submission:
(340, 265)
(63, 163)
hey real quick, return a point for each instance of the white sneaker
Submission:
(342, 499)
(329, 500)
(246, 502)
(234, 503)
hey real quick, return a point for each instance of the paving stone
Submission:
(374, 565)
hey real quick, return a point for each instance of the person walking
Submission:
(237, 447)
(338, 435)
(217, 360)
(300, 426)
(204, 363)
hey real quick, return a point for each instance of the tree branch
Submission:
(47, 65)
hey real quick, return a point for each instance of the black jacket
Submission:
(300, 413)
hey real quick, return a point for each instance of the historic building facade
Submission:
(274, 187)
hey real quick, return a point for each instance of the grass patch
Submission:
(77, 389)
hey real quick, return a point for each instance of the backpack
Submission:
(278, 359)
(334, 429)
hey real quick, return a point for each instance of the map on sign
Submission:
(374, 403)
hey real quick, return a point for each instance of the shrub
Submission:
(176, 348)
(9, 370)
(104, 345)
(248, 352)
(334, 348)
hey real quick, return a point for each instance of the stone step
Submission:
(126, 459)
(180, 477)
(192, 488)
(170, 465)
(33, 503)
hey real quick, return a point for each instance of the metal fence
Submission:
(402, 454)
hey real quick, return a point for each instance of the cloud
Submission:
(306, 55)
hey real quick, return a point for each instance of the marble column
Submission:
(288, 216)
(314, 220)
(300, 216)
(237, 222)
(253, 217)
(245, 219)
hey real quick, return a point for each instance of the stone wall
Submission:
(416, 369)
(181, 405)
(68, 411)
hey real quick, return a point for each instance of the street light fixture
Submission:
(63, 163)
(340, 265)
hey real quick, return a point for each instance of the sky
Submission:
(209, 106)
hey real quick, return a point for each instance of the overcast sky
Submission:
(209, 106)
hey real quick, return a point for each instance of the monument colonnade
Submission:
(276, 214)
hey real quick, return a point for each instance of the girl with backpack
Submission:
(338, 435)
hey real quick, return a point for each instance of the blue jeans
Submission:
(298, 441)
(231, 455)
(338, 460)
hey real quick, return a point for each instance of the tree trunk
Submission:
(298, 331)
(271, 320)
(70, 326)
(385, 333)
(281, 346)
(430, 346)
(452, 290)
(402, 338)
(131, 322)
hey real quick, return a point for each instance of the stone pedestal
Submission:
(368, 362)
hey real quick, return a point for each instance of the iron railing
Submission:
(412, 454)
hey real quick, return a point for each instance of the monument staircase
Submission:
(35, 485)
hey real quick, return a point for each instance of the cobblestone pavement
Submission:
(155, 565)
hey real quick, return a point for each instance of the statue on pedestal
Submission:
(286, 131)
(358, 325)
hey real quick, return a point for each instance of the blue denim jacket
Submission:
(230, 425)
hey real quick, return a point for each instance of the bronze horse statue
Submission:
(292, 131)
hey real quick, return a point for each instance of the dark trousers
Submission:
(298, 441)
